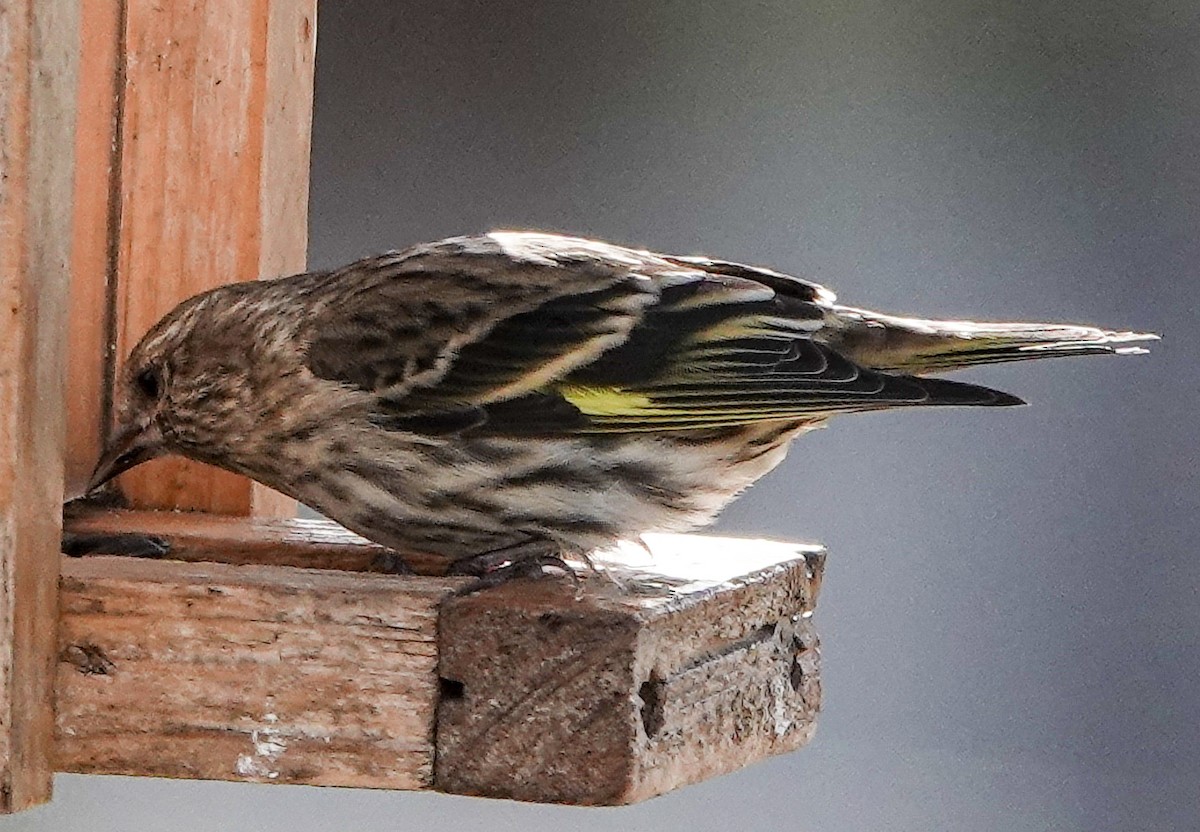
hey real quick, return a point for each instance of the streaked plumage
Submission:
(479, 393)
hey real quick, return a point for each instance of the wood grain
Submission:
(283, 183)
(266, 674)
(287, 128)
(38, 65)
(611, 697)
(215, 118)
(88, 337)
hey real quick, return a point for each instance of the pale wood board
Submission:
(283, 187)
(215, 116)
(38, 65)
(287, 120)
(266, 674)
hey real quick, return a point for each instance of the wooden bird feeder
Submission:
(152, 150)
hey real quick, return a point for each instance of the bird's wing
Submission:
(472, 320)
(536, 334)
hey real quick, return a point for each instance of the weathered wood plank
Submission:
(214, 132)
(37, 84)
(695, 659)
(612, 697)
(272, 674)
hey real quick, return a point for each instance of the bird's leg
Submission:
(527, 559)
(129, 544)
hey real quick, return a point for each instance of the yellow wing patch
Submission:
(608, 401)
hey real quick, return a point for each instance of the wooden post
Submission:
(38, 62)
(613, 696)
(89, 348)
(206, 183)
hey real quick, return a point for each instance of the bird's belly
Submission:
(465, 497)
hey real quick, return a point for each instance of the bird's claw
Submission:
(390, 562)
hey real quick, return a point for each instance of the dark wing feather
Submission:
(536, 334)
(785, 284)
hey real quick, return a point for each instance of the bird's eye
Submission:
(149, 383)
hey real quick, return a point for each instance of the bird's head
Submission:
(180, 386)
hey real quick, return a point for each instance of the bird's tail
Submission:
(915, 345)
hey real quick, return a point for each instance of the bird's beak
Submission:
(130, 446)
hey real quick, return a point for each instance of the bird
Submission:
(509, 400)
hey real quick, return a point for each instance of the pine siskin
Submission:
(507, 399)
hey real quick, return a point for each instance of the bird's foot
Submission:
(524, 560)
(130, 544)
(390, 562)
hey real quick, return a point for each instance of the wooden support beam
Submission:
(690, 663)
(38, 64)
(200, 149)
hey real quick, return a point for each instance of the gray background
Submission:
(1010, 618)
